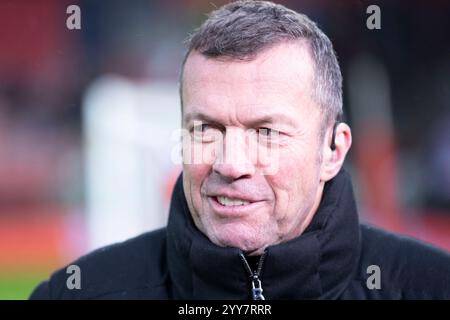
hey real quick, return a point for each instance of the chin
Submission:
(240, 238)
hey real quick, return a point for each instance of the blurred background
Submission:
(87, 119)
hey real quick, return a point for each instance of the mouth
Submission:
(233, 207)
(230, 202)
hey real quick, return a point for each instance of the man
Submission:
(263, 209)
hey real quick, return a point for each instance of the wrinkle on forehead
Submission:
(289, 63)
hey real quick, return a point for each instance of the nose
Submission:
(233, 161)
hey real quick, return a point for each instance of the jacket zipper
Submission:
(257, 290)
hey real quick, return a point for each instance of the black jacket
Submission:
(330, 260)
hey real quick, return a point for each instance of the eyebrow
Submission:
(202, 117)
(264, 120)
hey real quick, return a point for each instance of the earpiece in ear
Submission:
(333, 137)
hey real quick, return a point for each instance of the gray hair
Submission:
(242, 29)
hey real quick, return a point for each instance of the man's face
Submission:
(239, 197)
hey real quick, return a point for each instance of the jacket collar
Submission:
(316, 265)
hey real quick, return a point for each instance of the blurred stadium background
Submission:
(86, 121)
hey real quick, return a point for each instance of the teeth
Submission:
(231, 202)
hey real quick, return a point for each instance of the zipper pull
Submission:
(257, 289)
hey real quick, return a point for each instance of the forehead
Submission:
(278, 76)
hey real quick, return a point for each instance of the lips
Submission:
(233, 207)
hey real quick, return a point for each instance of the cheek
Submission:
(293, 183)
(194, 175)
(196, 152)
(196, 172)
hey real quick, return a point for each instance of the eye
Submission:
(268, 132)
(204, 132)
(200, 127)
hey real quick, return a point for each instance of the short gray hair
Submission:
(242, 29)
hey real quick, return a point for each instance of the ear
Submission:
(332, 160)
